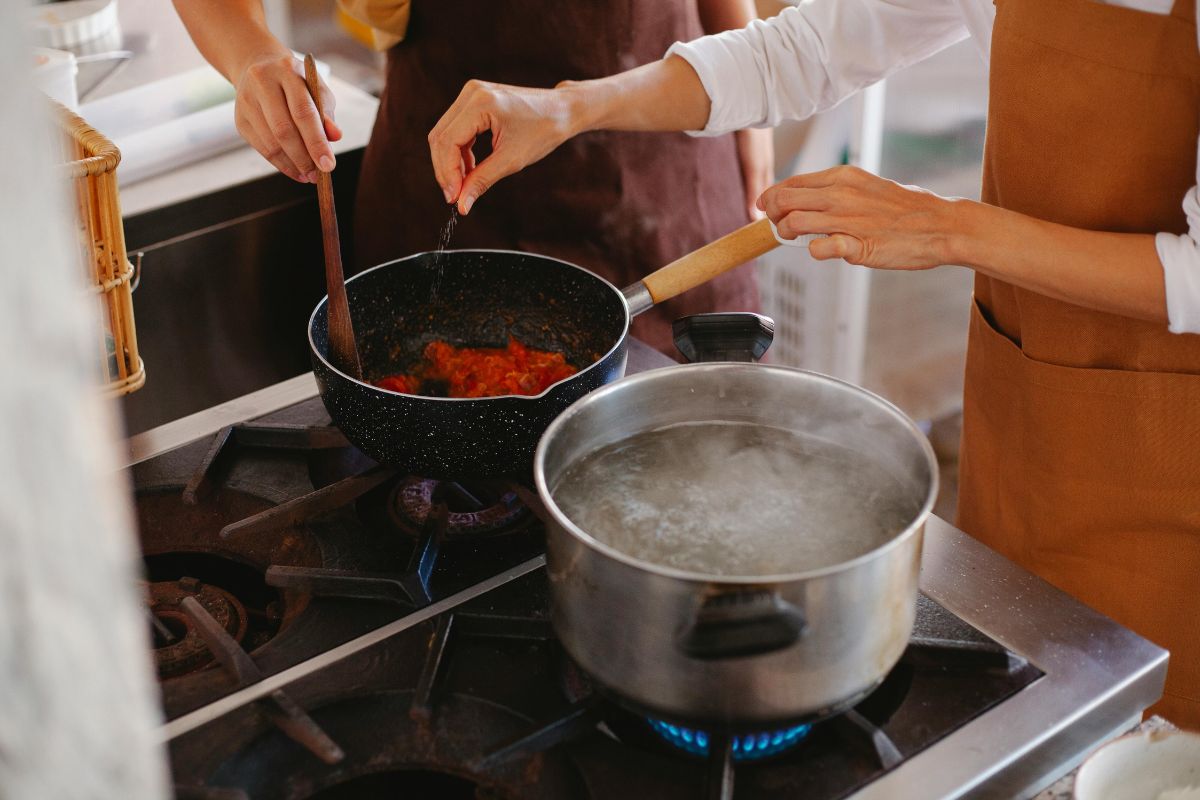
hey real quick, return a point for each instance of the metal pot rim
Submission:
(312, 346)
(598, 395)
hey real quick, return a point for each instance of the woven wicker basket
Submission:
(91, 165)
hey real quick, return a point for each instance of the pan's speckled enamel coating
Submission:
(467, 298)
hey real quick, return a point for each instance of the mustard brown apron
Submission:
(620, 204)
(1081, 429)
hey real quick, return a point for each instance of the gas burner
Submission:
(236, 595)
(596, 709)
(476, 509)
(629, 725)
(186, 558)
(179, 648)
(472, 510)
(745, 747)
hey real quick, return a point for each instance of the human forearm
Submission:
(273, 112)
(526, 124)
(1115, 272)
(230, 34)
(664, 95)
(878, 223)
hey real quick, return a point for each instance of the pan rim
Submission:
(312, 346)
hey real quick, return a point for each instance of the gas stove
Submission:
(327, 628)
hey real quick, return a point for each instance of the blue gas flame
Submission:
(746, 747)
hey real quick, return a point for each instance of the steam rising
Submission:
(736, 499)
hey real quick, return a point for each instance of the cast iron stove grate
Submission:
(492, 666)
(498, 653)
(274, 524)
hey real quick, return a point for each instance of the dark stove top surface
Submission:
(344, 565)
(273, 542)
(481, 697)
(423, 710)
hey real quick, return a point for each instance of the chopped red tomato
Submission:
(483, 371)
(405, 384)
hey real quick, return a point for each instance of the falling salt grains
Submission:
(439, 257)
(448, 230)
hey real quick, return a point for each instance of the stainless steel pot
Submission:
(734, 650)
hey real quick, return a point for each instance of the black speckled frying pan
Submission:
(479, 298)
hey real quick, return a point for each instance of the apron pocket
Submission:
(1090, 478)
(1122, 433)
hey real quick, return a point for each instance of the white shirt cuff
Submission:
(705, 69)
(1180, 256)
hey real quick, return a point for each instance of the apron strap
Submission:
(1184, 9)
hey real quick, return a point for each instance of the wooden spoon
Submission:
(342, 350)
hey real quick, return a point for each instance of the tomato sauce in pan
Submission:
(481, 371)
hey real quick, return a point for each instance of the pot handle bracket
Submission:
(731, 336)
(739, 624)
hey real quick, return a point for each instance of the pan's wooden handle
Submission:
(342, 350)
(702, 265)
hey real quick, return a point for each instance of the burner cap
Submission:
(178, 647)
(472, 511)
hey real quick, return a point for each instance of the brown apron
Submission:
(620, 204)
(1081, 429)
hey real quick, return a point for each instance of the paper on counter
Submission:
(158, 102)
(177, 143)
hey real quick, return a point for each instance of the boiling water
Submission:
(735, 499)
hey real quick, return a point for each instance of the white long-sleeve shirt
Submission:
(811, 57)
